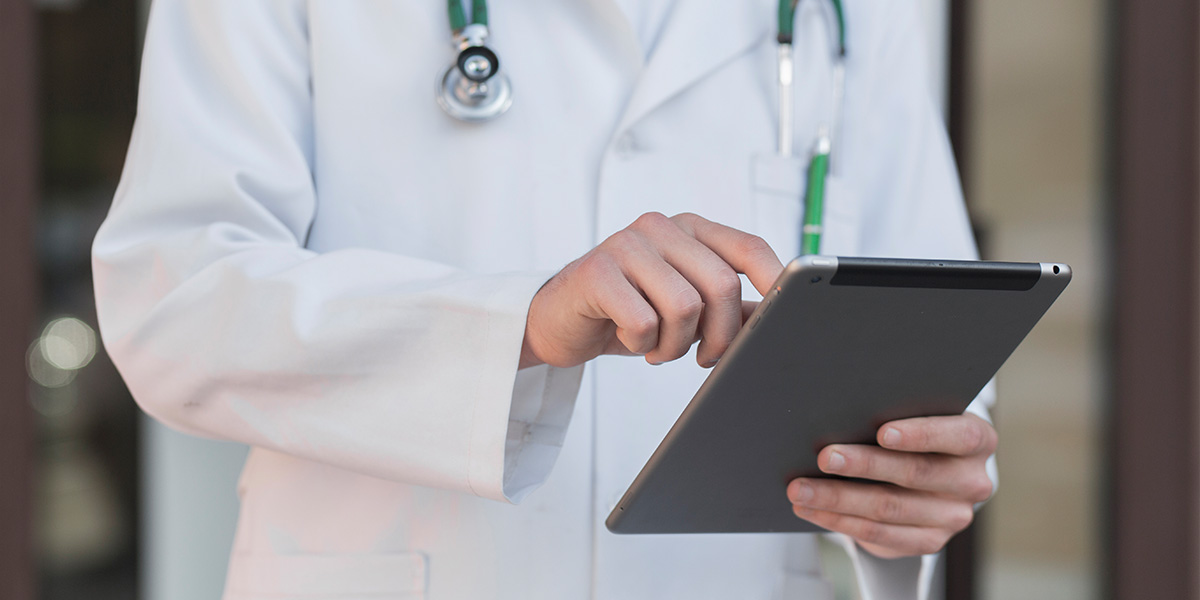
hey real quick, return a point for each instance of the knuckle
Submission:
(915, 435)
(864, 464)
(652, 221)
(980, 489)
(920, 470)
(687, 305)
(974, 438)
(727, 286)
(990, 438)
(686, 217)
(687, 222)
(595, 266)
(623, 242)
(889, 508)
(925, 436)
(753, 245)
(921, 438)
(870, 532)
(826, 496)
(643, 326)
(961, 517)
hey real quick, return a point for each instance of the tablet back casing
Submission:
(838, 348)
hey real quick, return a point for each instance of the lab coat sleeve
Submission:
(913, 206)
(224, 325)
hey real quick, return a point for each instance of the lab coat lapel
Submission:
(698, 37)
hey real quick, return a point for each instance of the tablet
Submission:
(839, 347)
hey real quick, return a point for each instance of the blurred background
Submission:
(1075, 125)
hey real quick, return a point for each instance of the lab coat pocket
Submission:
(777, 189)
(314, 577)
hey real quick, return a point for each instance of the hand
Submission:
(934, 473)
(653, 289)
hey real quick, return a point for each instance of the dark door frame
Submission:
(18, 196)
(961, 552)
(1154, 431)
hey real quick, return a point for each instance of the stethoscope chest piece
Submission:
(473, 101)
(473, 89)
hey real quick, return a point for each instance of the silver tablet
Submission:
(839, 347)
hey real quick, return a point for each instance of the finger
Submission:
(881, 503)
(679, 307)
(882, 539)
(677, 303)
(748, 308)
(721, 290)
(959, 435)
(744, 252)
(613, 297)
(616, 346)
(717, 282)
(955, 476)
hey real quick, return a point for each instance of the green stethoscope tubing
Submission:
(787, 20)
(818, 167)
(458, 18)
(787, 15)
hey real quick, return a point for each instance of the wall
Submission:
(1037, 78)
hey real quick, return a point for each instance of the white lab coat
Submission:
(307, 256)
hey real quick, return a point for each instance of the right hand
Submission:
(653, 289)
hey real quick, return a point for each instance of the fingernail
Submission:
(891, 437)
(804, 494)
(836, 461)
(710, 364)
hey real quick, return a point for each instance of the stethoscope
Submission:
(474, 90)
(818, 165)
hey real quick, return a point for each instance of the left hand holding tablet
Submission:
(935, 472)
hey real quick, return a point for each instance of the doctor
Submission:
(307, 255)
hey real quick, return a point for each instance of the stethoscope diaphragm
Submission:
(473, 89)
(473, 100)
